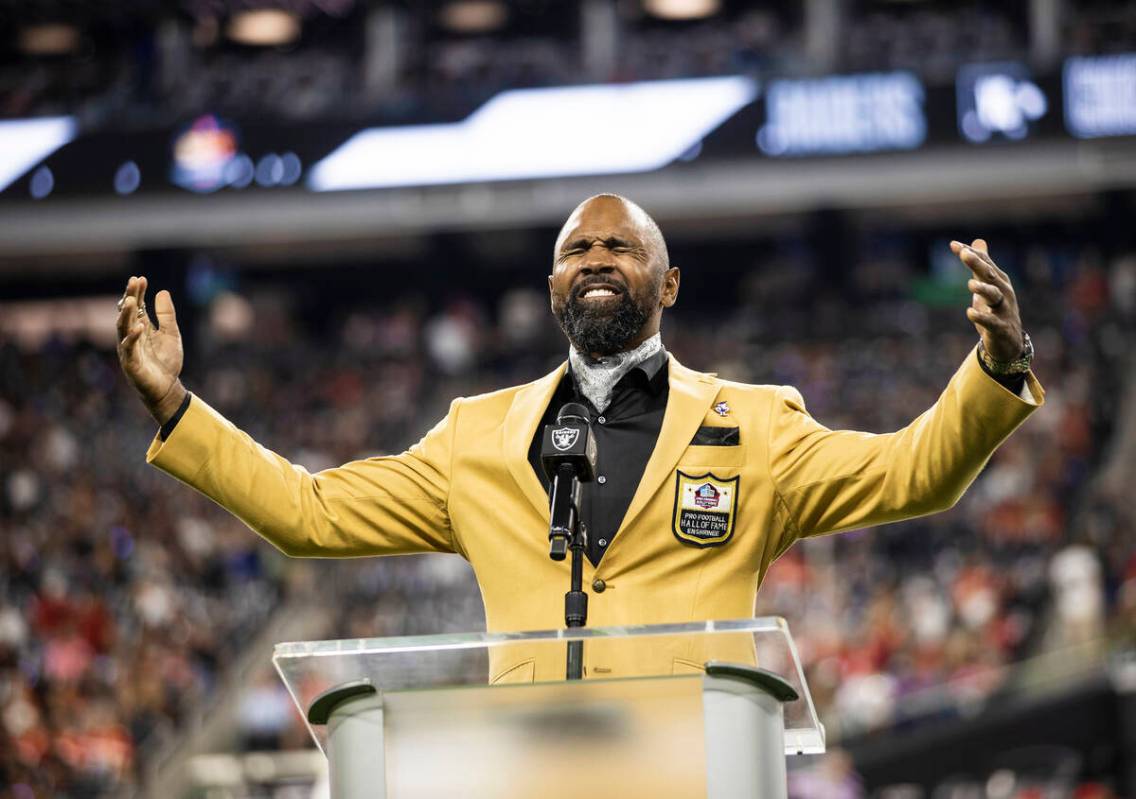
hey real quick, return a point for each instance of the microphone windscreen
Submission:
(573, 412)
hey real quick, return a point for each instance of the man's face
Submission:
(608, 287)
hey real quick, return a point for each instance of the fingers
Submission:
(130, 340)
(164, 308)
(125, 311)
(136, 292)
(992, 295)
(128, 323)
(976, 257)
(979, 248)
(986, 319)
(976, 261)
(140, 294)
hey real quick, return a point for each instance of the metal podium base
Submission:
(355, 747)
(741, 708)
(745, 732)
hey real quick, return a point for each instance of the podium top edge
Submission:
(480, 640)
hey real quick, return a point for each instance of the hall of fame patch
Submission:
(704, 509)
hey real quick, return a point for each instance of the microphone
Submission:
(568, 456)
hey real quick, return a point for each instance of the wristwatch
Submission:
(1018, 366)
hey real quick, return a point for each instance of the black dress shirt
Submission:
(626, 433)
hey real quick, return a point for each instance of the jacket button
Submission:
(598, 585)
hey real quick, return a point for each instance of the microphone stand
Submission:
(568, 454)
(575, 540)
(576, 602)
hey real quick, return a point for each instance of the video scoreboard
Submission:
(527, 134)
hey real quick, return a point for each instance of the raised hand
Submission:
(994, 306)
(151, 356)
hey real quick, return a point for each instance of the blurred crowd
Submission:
(1036, 557)
(124, 595)
(153, 67)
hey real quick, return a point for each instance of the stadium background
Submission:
(987, 651)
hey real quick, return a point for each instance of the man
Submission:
(702, 483)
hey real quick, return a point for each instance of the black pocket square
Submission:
(716, 437)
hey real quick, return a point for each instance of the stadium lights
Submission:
(681, 9)
(534, 133)
(48, 39)
(264, 27)
(26, 142)
(473, 16)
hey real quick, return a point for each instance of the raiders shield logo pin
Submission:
(704, 509)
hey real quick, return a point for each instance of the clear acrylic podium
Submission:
(708, 709)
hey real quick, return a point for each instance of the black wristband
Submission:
(1012, 383)
(167, 428)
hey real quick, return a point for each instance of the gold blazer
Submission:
(703, 528)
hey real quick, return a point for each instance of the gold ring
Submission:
(120, 302)
(141, 311)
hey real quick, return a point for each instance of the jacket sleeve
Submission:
(832, 480)
(377, 506)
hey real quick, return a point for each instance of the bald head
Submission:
(634, 215)
(611, 276)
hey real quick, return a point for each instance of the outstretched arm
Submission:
(377, 506)
(831, 480)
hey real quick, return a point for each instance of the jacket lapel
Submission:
(688, 400)
(529, 405)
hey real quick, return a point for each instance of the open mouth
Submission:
(600, 291)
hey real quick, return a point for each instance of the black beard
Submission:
(603, 330)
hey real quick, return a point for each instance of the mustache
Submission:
(586, 283)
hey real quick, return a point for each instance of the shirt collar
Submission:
(648, 359)
(652, 365)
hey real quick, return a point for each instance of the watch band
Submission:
(1018, 366)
